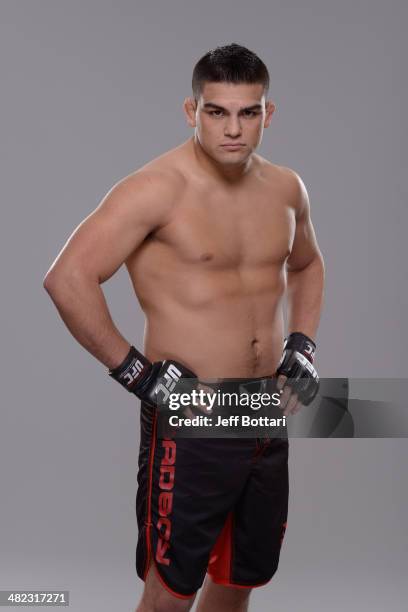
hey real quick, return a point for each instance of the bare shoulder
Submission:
(288, 182)
(152, 190)
(162, 182)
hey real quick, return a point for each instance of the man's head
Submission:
(228, 106)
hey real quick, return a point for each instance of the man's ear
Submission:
(269, 110)
(190, 107)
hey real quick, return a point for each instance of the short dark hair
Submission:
(232, 64)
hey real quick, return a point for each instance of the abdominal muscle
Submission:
(219, 323)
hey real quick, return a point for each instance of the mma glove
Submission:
(153, 382)
(297, 365)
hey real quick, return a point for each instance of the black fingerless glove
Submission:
(297, 365)
(152, 382)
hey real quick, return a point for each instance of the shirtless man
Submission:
(212, 235)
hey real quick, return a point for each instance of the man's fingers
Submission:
(284, 393)
(188, 413)
(201, 404)
(297, 407)
(280, 383)
(291, 405)
(285, 396)
(289, 401)
(204, 406)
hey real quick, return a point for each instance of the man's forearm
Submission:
(83, 308)
(305, 298)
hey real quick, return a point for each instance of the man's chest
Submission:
(251, 229)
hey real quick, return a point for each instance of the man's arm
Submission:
(134, 207)
(305, 283)
(305, 268)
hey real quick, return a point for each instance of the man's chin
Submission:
(232, 158)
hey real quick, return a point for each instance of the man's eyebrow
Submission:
(246, 108)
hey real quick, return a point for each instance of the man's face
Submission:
(229, 120)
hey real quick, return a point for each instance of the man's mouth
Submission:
(233, 146)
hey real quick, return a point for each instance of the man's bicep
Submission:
(304, 247)
(104, 240)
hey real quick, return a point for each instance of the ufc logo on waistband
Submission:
(135, 369)
(171, 377)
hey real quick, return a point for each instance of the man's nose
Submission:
(232, 127)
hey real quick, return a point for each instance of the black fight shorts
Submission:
(216, 505)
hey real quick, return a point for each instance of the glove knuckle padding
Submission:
(301, 375)
(153, 382)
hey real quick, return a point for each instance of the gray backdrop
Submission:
(91, 90)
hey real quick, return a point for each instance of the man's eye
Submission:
(249, 113)
(216, 113)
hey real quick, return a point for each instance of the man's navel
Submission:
(255, 348)
(206, 256)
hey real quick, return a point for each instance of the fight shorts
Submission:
(216, 505)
